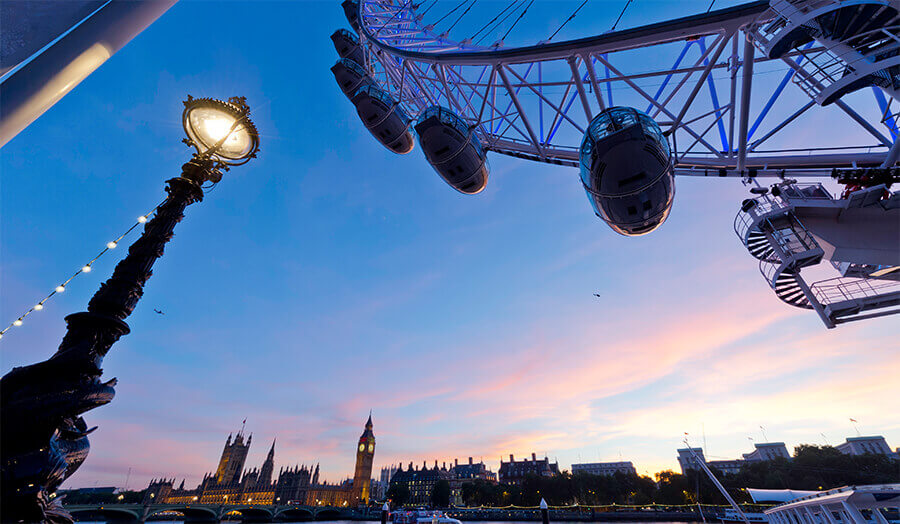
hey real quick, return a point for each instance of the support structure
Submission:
(542, 102)
(541, 110)
(33, 89)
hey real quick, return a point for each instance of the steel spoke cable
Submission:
(485, 26)
(461, 16)
(441, 19)
(502, 20)
(613, 28)
(558, 29)
(391, 19)
(86, 268)
(508, 31)
(423, 13)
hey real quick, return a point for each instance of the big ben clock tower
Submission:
(362, 476)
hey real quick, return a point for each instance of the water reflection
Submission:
(358, 521)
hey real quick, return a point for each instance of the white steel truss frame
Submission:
(509, 95)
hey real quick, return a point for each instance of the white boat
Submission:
(420, 516)
(874, 504)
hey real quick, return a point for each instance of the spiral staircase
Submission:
(774, 236)
(772, 232)
(859, 44)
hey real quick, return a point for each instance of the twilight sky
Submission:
(329, 277)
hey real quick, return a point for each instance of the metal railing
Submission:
(788, 11)
(792, 236)
(770, 269)
(835, 491)
(827, 66)
(805, 191)
(793, 8)
(843, 289)
(745, 220)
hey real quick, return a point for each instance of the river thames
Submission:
(357, 521)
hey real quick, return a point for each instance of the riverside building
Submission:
(762, 451)
(604, 468)
(420, 482)
(515, 471)
(875, 445)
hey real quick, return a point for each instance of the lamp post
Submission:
(44, 437)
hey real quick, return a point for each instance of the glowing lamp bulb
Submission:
(111, 245)
(142, 219)
(18, 322)
(38, 306)
(221, 129)
(86, 268)
(217, 127)
(60, 288)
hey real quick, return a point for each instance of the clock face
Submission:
(362, 447)
(371, 447)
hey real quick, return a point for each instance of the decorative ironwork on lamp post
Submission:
(44, 437)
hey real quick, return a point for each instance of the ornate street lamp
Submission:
(44, 438)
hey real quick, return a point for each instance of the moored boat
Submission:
(731, 515)
(420, 516)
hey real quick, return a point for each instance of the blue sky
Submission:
(329, 277)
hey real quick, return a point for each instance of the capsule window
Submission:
(632, 179)
(632, 210)
(647, 205)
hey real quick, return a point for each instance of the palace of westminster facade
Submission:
(231, 483)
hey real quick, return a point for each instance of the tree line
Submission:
(811, 468)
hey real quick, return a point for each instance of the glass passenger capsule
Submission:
(347, 46)
(384, 118)
(453, 149)
(626, 170)
(350, 76)
(351, 11)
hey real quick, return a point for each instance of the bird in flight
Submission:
(597, 295)
(158, 312)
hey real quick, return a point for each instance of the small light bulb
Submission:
(18, 322)
(60, 288)
(38, 306)
(142, 219)
(86, 268)
(111, 245)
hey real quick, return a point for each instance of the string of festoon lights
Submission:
(86, 268)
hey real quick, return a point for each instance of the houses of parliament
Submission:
(232, 483)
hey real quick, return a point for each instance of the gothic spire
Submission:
(367, 433)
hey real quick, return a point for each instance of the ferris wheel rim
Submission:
(422, 68)
(690, 26)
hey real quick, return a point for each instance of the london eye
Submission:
(635, 108)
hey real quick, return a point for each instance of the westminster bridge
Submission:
(294, 513)
(215, 512)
